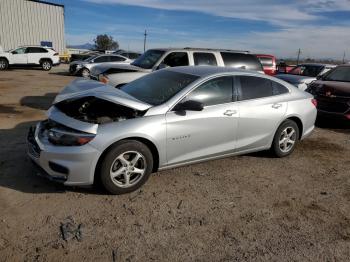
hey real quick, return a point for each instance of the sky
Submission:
(320, 28)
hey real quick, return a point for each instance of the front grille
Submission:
(32, 146)
(332, 105)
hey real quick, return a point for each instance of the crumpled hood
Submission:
(83, 88)
(116, 68)
(295, 79)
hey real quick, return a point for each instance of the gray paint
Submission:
(25, 22)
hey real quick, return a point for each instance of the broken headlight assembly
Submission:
(66, 138)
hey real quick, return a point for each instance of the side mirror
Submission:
(189, 105)
(162, 66)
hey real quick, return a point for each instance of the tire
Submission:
(85, 72)
(46, 65)
(117, 167)
(285, 139)
(3, 64)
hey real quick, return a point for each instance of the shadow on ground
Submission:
(334, 125)
(17, 171)
(38, 102)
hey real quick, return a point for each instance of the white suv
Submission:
(30, 56)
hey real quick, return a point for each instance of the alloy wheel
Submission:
(128, 169)
(287, 139)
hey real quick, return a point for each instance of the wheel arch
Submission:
(4, 57)
(299, 123)
(145, 141)
(45, 59)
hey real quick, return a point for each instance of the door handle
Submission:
(230, 112)
(276, 106)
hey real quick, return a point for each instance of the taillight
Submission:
(347, 116)
(314, 102)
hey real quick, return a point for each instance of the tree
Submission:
(105, 42)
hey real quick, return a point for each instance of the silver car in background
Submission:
(170, 118)
(84, 67)
(302, 75)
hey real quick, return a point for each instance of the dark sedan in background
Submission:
(332, 92)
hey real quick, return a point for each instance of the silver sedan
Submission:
(170, 118)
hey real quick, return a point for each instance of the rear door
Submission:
(35, 54)
(194, 135)
(262, 106)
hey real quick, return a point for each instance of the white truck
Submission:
(44, 57)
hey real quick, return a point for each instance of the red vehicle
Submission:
(269, 63)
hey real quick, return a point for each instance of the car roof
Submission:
(201, 49)
(316, 64)
(204, 71)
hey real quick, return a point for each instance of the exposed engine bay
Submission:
(97, 111)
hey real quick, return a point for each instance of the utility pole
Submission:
(144, 41)
(344, 57)
(299, 52)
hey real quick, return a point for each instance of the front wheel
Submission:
(85, 72)
(46, 65)
(285, 139)
(3, 64)
(126, 167)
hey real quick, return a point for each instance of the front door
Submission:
(19, 56)
(193, 135)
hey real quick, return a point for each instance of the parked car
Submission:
(83, 67)
(332, 92)
(269, 63)
(33, 56)
(302, 75)
(172, 117)
(155, 59)
(283, 68)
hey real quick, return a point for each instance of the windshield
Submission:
(148, 59)
(306, 70)
(158, 87)
(90, 58)
(341, 74)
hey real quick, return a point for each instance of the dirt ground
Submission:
(246, 208)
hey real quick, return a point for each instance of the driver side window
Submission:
(176, 59)
(19, 51)
(213, 92)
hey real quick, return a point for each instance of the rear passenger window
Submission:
(243, 61)
(176, 59)
(258, 87)
(215, 91)
(204, 59)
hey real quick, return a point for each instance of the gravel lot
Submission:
(246, 208)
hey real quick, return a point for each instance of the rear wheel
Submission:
(3, 64)
(46, 65)
(126, 167)
(285, 139)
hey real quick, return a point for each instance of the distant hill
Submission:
(82, 46)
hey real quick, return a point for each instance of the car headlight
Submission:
(65, 138)
(103, 78)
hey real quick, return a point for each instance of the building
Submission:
(30, 22)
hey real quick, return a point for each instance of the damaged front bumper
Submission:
(70, 165)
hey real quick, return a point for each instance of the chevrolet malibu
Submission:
(170, 118)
